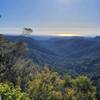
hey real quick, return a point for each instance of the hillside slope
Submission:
(74, 55)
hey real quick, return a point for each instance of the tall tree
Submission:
(27, 31)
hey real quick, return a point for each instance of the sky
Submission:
(51, 17)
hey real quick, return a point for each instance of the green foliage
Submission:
(12, 67)
(84, 88)
(48, 85)
(9, 92)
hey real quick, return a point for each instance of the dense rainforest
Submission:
(29, 71)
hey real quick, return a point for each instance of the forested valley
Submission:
(23, 77)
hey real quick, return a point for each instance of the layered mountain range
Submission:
(74, 55)
(62, 53)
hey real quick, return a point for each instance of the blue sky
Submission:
(80, 17)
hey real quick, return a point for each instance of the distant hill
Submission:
(59, 51)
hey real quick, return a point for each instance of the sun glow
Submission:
(67, 34)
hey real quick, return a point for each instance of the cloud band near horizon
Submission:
(54, 31)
